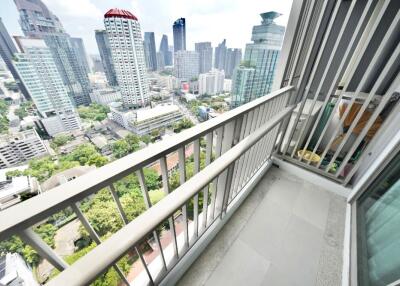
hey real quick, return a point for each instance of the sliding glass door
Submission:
(378, 229)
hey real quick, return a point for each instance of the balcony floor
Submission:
(287, 232)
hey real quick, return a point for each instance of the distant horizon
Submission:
(81, 18)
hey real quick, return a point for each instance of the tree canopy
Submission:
(94, 111)
(125, 146)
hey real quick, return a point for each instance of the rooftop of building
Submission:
(159, 110)
(120, 13)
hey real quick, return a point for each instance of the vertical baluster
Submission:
(182, 180)
(245, 155)
(239, 162)
(164, 174)
(229, 130)
(218, 147)
(147, 202)
(250, 152)
(196, 154)
(209, 143)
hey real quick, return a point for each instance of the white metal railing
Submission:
(357, 72)
(237, 144)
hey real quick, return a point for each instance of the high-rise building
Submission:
(127, 50)
(232, 60)
(97, 65)
(262, 56)
(38, 71)
(160, 61)
(220, 55)
(242, 85)
(205, 53)
(211, 83)
(227, 59)
(38, 22)
(7, 51)
(179, 31)
(150, 51)
(105, 55)
(186, 65)
(164, 49)
(77, 44)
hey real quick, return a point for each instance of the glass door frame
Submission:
(350, 263)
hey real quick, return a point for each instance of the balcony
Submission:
(253, 208)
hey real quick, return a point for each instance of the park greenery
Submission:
(60, 140)
(94, 112)
(125, 146)
(4, 123)
(23, 109)
(185, 123)
(44, 168)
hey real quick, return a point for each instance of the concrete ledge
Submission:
(312, 178)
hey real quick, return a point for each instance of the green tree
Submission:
(125, 146)
(85, 154)
(185, 123)
(94, 111)
(146, 139)
(61, 140)
(3, 106)
(21, 112)
(120, 148)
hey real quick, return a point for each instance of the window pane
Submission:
(378, 228)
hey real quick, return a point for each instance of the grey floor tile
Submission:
(241, 266)
(312, 205)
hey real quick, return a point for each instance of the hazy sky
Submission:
(206, 20)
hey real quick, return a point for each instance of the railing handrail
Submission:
(34, 210)
(88, 267)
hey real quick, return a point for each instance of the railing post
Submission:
(227, 141)
(33, 239)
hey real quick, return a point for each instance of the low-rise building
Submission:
(11, 189)
(161, 116)
(17, 148)
(14, 271)
(65, 176)
(105, 96)
(143, 121)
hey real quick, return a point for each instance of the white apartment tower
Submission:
(186, 64)
(127, 51)
(211, 83)
(37, 69)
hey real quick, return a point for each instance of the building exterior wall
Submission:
(38, 22)
(129, 60)
(105, 96)
(105, 55)
(242, 86)
(150, 51)
(39, 73)
(79, 47)
(164, 49)
(179, 32)
(7, 51)
(20, 147)
(261, 56)
(186, 65)
(211, 83)
(205, 56)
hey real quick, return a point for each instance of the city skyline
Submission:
(80, 19)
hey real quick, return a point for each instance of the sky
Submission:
(206, 20)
